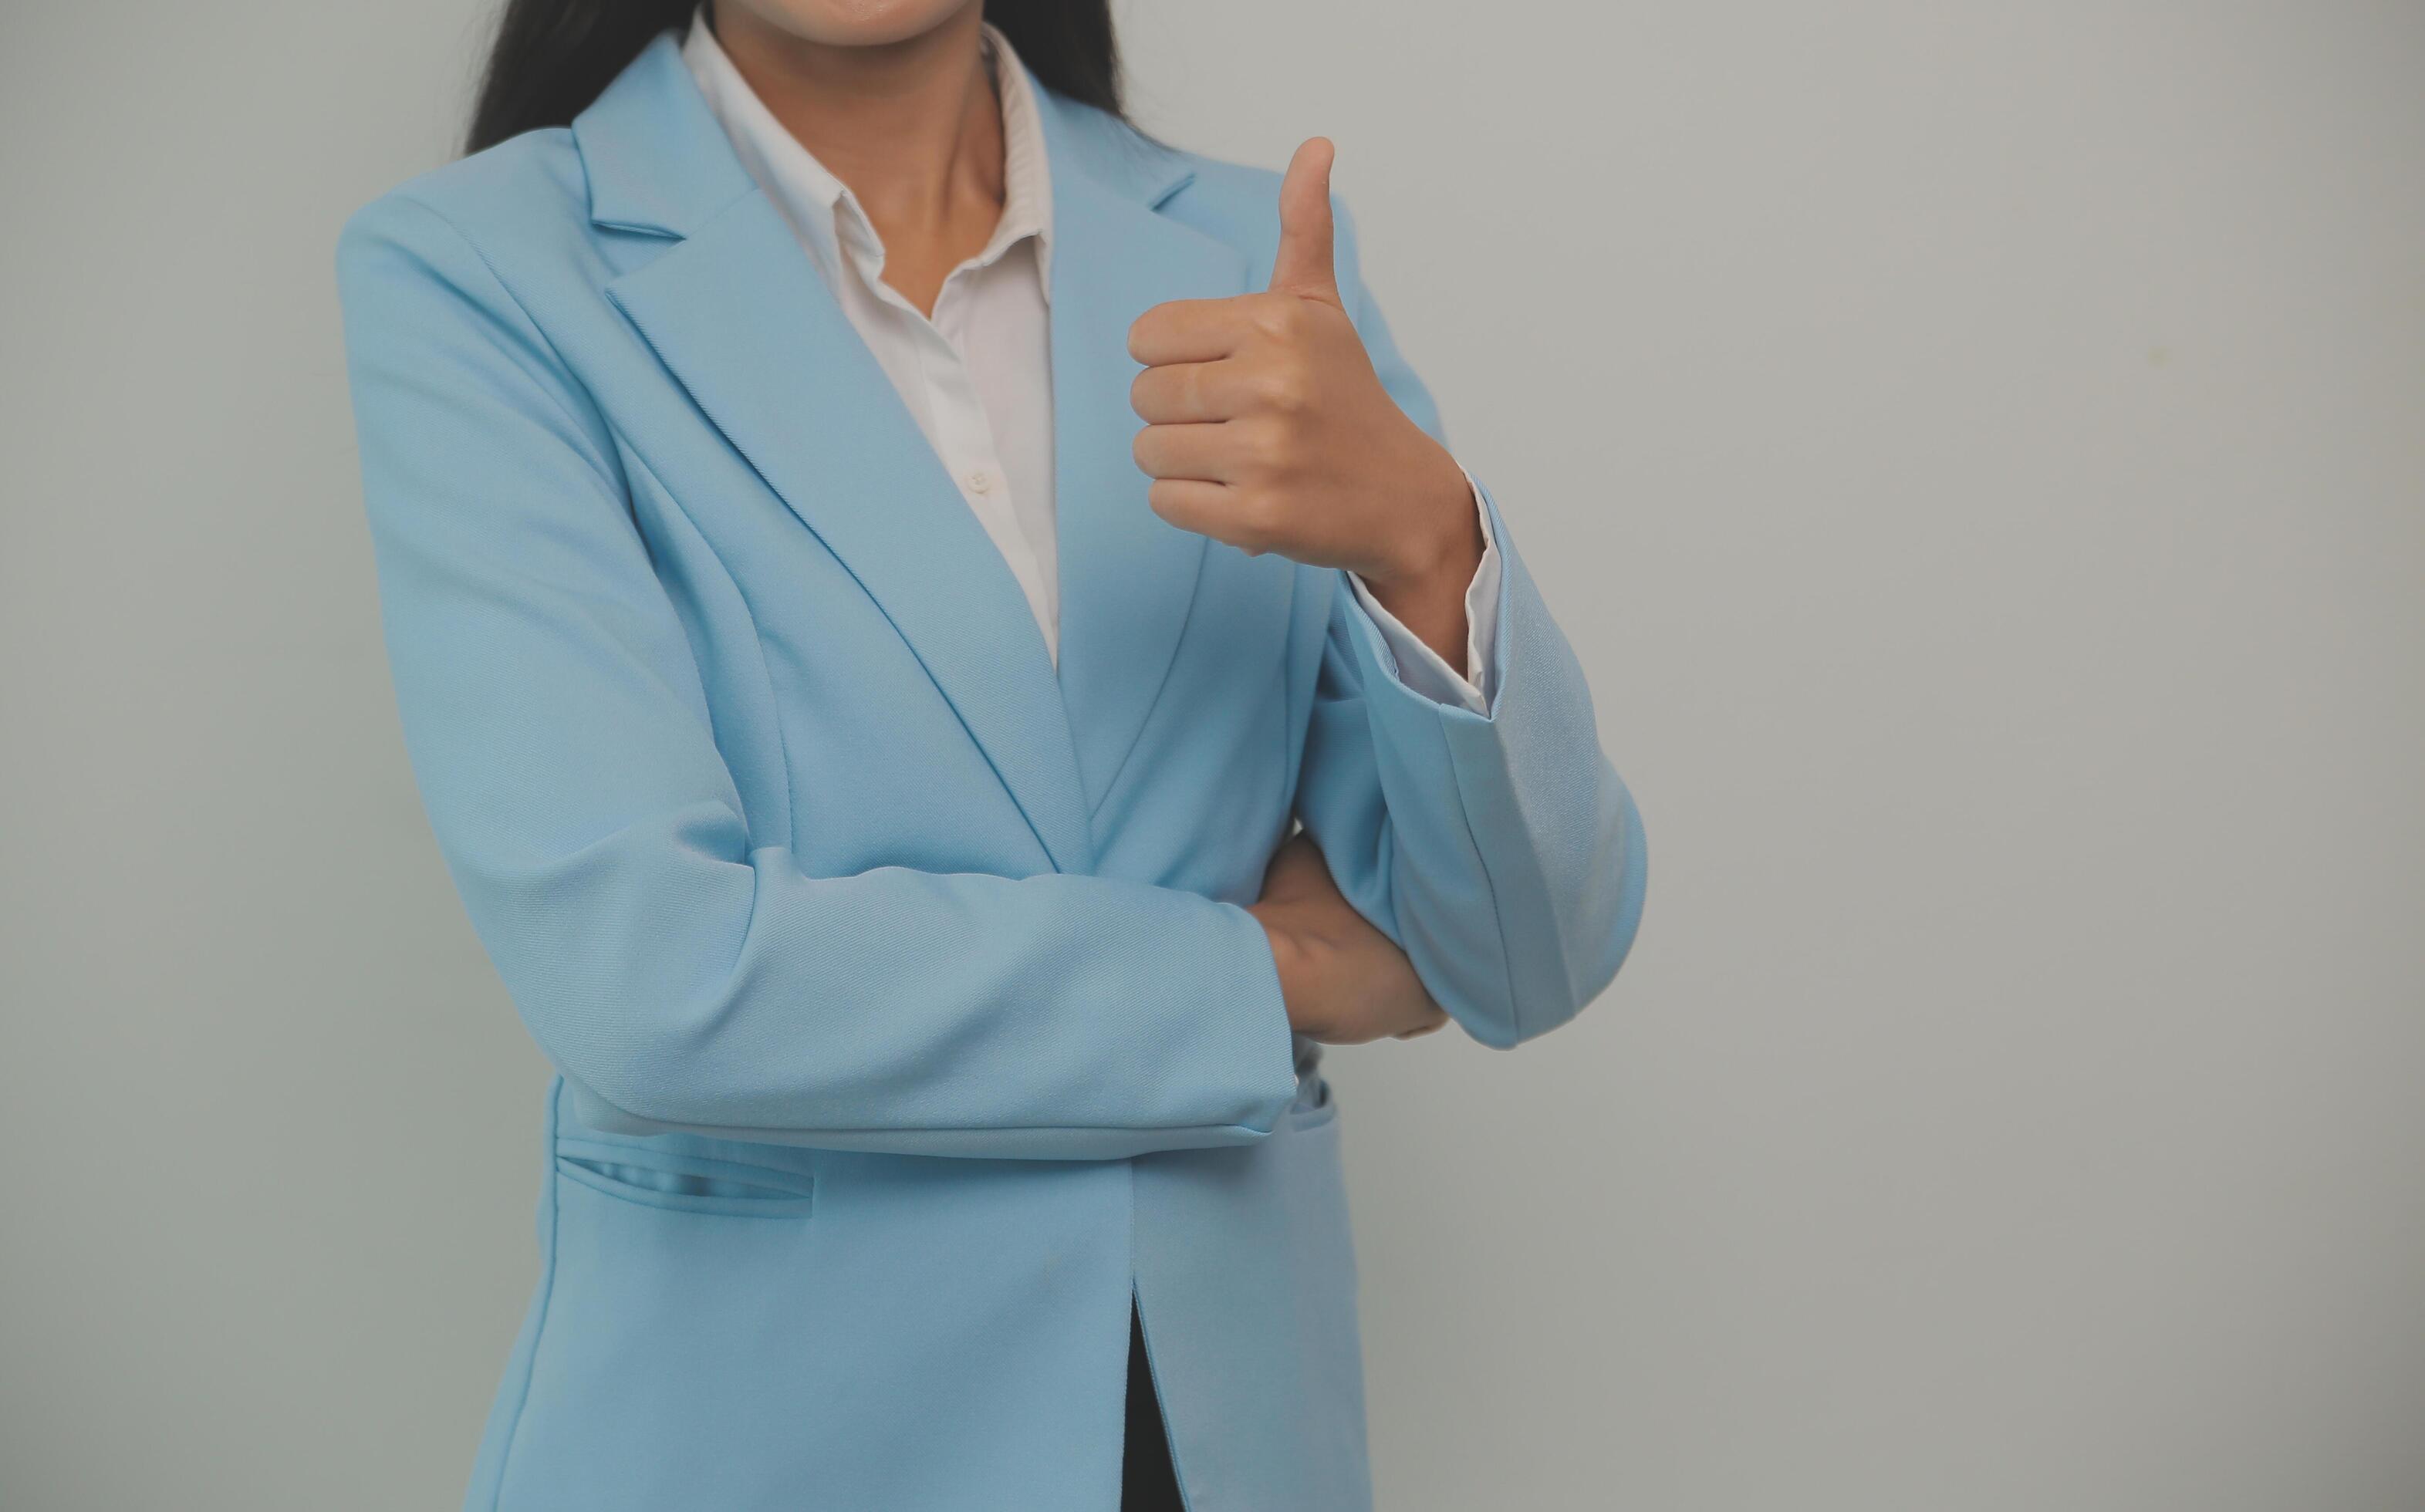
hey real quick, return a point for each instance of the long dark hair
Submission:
(553, 57)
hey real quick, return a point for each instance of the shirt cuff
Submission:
(1421, 668)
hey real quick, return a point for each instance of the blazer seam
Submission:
(1481, 864)
(1371, 663)
(1119, 768)
(546, 1305)
(757, 638)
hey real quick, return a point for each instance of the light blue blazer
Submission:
(816, 883)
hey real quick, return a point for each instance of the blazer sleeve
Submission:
(1500, 849)
(681, 972)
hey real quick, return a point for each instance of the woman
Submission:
(866, 752)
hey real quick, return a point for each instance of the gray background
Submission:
(1979, 452)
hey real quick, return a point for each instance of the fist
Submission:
(1343, 982)
(1267, 428)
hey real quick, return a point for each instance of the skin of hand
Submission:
(1343, 981)
(1267, 428)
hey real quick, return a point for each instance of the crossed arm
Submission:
(683, 974)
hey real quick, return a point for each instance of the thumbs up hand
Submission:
(1267, 428)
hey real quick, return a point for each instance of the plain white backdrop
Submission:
(1979, 453)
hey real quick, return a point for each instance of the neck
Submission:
(911, 126)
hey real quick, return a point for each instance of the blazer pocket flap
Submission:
(684, 1182)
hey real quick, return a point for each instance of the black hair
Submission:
(552, 58)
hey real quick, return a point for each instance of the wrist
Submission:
(1292, 962)
(1437, 541)
(1439, 551)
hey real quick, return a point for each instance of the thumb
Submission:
(1303, 265)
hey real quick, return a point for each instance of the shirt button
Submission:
(980, 481)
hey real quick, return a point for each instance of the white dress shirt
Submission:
(977, 377)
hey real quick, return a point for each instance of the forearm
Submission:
(682, 980)
(1502, 851)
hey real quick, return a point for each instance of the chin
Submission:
(853, 22)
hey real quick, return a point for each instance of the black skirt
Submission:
(1147, 1482)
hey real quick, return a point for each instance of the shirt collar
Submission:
(821, 208)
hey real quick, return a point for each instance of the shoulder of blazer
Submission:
(466, 241)
(525, 193)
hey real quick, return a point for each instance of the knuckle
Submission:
(1285, 389)
(1272, 442)
(1275, 316)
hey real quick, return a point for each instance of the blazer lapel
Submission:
(741, 318)
(1128, 579)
